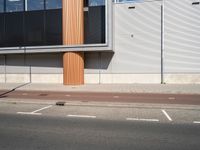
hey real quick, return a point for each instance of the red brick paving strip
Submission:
(106, 97)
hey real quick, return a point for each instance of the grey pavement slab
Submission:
(122, 88)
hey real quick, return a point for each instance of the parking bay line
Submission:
(196, 122)
(81, 116)
(167, 115)
(28, 113)
(35, 112)
(137, 119)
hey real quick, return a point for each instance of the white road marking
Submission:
(137, 119)
(34, 112)
(29, 113)
(196, 122)
(42, 109)
(81, 116)
(171, 98)
(166, 114)
(24, 94)
(67, 95)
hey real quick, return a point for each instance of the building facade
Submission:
(99, 41)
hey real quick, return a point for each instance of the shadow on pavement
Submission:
(3, 95)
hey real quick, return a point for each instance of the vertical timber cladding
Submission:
(73, 34)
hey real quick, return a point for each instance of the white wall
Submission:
(182, 37)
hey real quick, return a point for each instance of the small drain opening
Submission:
(60, 103)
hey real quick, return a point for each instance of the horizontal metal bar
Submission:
(54, 46)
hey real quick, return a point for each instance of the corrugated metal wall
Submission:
(137, 38)
(182, 36)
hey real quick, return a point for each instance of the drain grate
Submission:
(60, 103)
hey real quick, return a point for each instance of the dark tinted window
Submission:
(85, 3)
(14, 5)
(34, 28)
(44, 27)
(35, 5)
(53, 4)
(1, 30)
(14, 29)
(95, 25)
(53, 27)
(1, 6)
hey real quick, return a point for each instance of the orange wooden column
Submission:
(73, 34)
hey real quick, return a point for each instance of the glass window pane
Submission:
(96, 2)
(1, 6)
(53, 4)
(14, 5)
(35, 5)
(95, 25)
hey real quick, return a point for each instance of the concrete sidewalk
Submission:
(110, 88)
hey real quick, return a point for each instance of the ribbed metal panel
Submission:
(182, 36)
(137, 38)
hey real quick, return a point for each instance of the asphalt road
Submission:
(22, 132)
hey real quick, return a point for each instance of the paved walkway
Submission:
(110, 88)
